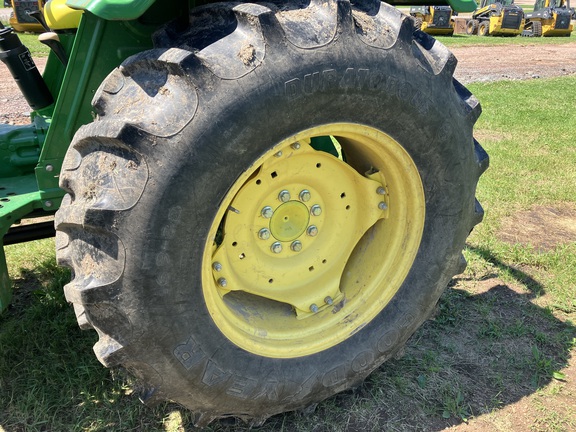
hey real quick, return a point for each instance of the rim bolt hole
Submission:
(234, 244)
(318, 165)
(347, 207)
(270, 280)
(274, 174)
(242, 256)
(311, 268)
(324, 261)
(258, 181)
(343, 195)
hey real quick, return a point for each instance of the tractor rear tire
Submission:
(472, 27)
(269, 203)
(484, 28)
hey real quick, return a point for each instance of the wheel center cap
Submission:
(289, 221)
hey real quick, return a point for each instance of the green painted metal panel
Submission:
(18, 197)
(113, 9)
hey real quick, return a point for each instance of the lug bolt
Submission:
(328, 300)
(263, 234)
(295, 146)
(276, 247)
(267, 212)
(296, 246)
(316, 210)
(49, 168)
(217, 266)
(381, 191)
(313, 308)
(222, 282)
(312, 230)
(382, 206)
(48, 203)
(284, 196)
(278, 154)
(304, 195)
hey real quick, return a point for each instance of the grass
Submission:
(502, 338)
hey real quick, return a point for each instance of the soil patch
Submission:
(544, 228)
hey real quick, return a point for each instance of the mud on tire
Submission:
(183, 130)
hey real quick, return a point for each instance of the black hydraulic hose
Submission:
(19, 62)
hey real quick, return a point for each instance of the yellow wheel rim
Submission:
(307, 248)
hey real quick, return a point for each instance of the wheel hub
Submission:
(289, 221)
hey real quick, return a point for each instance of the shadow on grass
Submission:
(488, 346)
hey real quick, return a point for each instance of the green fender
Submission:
(132, 9)
(113, 9)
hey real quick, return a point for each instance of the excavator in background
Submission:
(434, 20)
(496, 18)
(549, 18)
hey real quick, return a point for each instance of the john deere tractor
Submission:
(549, 18)
(496, 18)
(436, 20)
(259, 202)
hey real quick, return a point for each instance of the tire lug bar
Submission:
(264, 234)
(296, 246)
(217, 266)
(316, 210)
(381, 191)
(328, 300)
(382, 206)
(312, 230)
(276, 247)
(305, 195)
(267, 212)
(222, 282)
(284, 196)
(313, 308)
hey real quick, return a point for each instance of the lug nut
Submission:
(328, 300)
(296, 246)
(217, 266)
(381, 191)
(267, 212)
(316, 210)
(278, 154)
(276, 247)
(284, 196)
(313, 308)
(382, 206)
(312, 230)
(305, 195)
(295, 146)
(222, 282)
(263, 234)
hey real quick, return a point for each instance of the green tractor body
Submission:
(101, 145)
